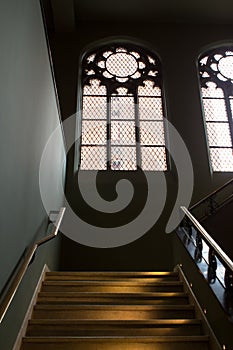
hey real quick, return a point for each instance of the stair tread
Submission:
(160, 338)
(110, 294)
(111, 283)
(117, 322)
(110, 307)
(116, 273)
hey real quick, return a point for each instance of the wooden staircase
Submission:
(114, 311)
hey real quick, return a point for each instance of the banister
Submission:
(211, 194)
(209, 239)
(23, 268)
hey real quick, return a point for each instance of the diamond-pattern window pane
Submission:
(122, 107)
(121, 64)
(151, 133)
(123, 133)
(221, 159)
(149, 89)
(94, 132)
(212, 91)
(94, 88)
(215, 109)
(231, 103)
(219, 134)
(94, 107)
(93, 158)
(153, 158)
(150, 108)
(123, 158)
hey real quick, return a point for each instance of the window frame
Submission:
(208, 75)
(132, 92)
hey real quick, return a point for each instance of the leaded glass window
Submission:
(122, 110)
(216, 77)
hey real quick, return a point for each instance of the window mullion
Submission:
(137, 130)
(108, 131)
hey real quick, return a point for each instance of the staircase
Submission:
(114, 311)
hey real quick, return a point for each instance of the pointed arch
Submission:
(122, 109)
(216, 80)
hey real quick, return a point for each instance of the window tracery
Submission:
(122, 110)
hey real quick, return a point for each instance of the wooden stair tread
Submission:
(112, 273)
(118, 310)
(172, 339)
(118, 295)
(110, 283)
(116, 307)
(117, 322)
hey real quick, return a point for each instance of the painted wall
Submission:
(178, 46)
(28, 115)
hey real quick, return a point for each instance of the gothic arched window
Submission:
(216, 77)
(122, 110)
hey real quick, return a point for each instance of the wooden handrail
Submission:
(223, 256)
(211, 194)
(22, 270)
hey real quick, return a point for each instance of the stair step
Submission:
(106, 275)
(113, 312)
(113, 298)
(112, 286)
(117, 343)
(113, 328)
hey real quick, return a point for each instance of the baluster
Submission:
(212, 266)
(212, 205)
(198, 249)
(228, 296)
(187, 225)
(228, 280)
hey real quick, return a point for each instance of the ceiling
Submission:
(63, 15)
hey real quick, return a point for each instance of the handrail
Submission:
(211, 195)
(19, 276)
(207, 238)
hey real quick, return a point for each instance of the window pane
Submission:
(219, 134)
(151, 133)
(153, 158)
(94, 107)
(93, 158)
(94, 132)
(94, 88)
(212, 91)
(122, 107)
(222, 159)
(123, 158)
(149, 89)
(231, 103)
(150, 108)
(215, 109)
(123, 133)
(216, 78)
(128, 78)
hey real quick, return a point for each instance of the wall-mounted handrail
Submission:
(224, 257)
(23, 268)
(211, 195)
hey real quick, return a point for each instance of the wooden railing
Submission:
(7, 299)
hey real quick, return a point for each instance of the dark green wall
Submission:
(29, 114)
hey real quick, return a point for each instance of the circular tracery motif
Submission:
(121, 64)
(225, 67)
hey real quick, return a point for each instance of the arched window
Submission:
(216, 77)
(122, 110)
